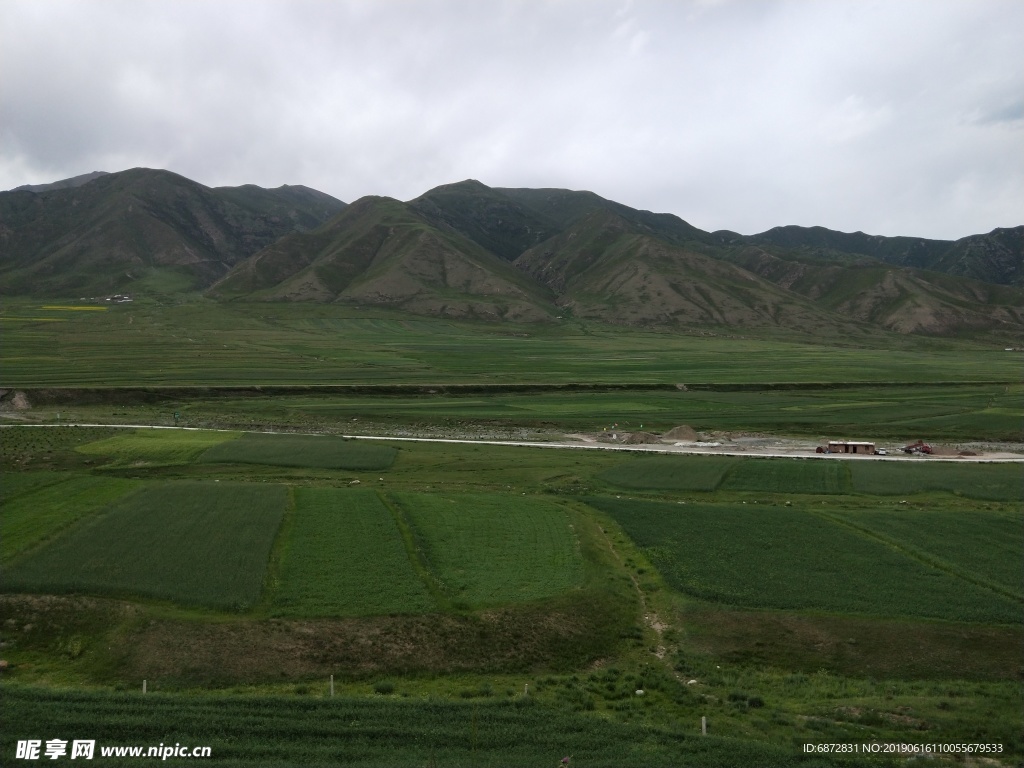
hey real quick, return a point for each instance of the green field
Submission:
(206, 343)
(789, 476)
(195, 543)
(301, 451)
(671, 473)
(491, 549)
(437, 591)
(996, 482)
(345, 556)
(369, 732)
(36, 511)
(155, 447)
(982, 545)
(789, 558)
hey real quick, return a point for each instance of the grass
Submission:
(670, 473)
(808, 476)
(37, 508)
(202, 544)
(160, 447)
(487, 549)
(788, 558)
(302, 451)
(345, 557)
(996, 482)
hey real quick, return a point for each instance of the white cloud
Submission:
(896, 117)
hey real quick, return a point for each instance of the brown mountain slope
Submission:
(383, 252)
(603, 269)
(902, 300)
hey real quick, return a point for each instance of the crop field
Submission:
(955, 411)
(201, 544)
(205, 343)
(35, 511)
(488, 549)
(302, 451)
(671, 473)
(789, 476)
(995, 482)
(980, 544)
(369, 732)
(155, 446)
(20, 443)
(345, 556)
(788, 558)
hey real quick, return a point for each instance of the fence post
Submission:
(332, 685)
(703, 726)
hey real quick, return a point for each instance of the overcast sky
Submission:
(890, 117)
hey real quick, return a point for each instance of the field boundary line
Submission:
(278, 554)
(923, 557)
(417, 557)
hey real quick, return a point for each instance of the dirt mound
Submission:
(638, 438)
(682, 432)
(14, 402)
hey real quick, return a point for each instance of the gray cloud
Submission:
(891, 117)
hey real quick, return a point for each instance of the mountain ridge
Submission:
(526, 255)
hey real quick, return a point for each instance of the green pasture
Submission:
(760, 556)
(301, 451)
(36, 508)
(344, 556)
(488, 549)
(995, 482)
(205, 343)
(144, 447)
(977, 544)
(201, 544)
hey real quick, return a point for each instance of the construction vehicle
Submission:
(919, 447)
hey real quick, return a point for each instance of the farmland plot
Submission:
(994, 482)
(670, 473)
(155, 446)
(195, 543)
(983, 544)
(789, 476)
(38, 505)
(345, 556)
(487, 549)
(318, 451)
(787, 558)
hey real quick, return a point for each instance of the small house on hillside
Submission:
(850, 446)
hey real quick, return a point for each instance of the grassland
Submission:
(789, 558)
(301, 451)
(345, 556)
(491, 549)
(195, 543)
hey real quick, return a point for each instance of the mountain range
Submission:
(471, 251)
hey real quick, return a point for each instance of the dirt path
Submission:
(780, 448)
